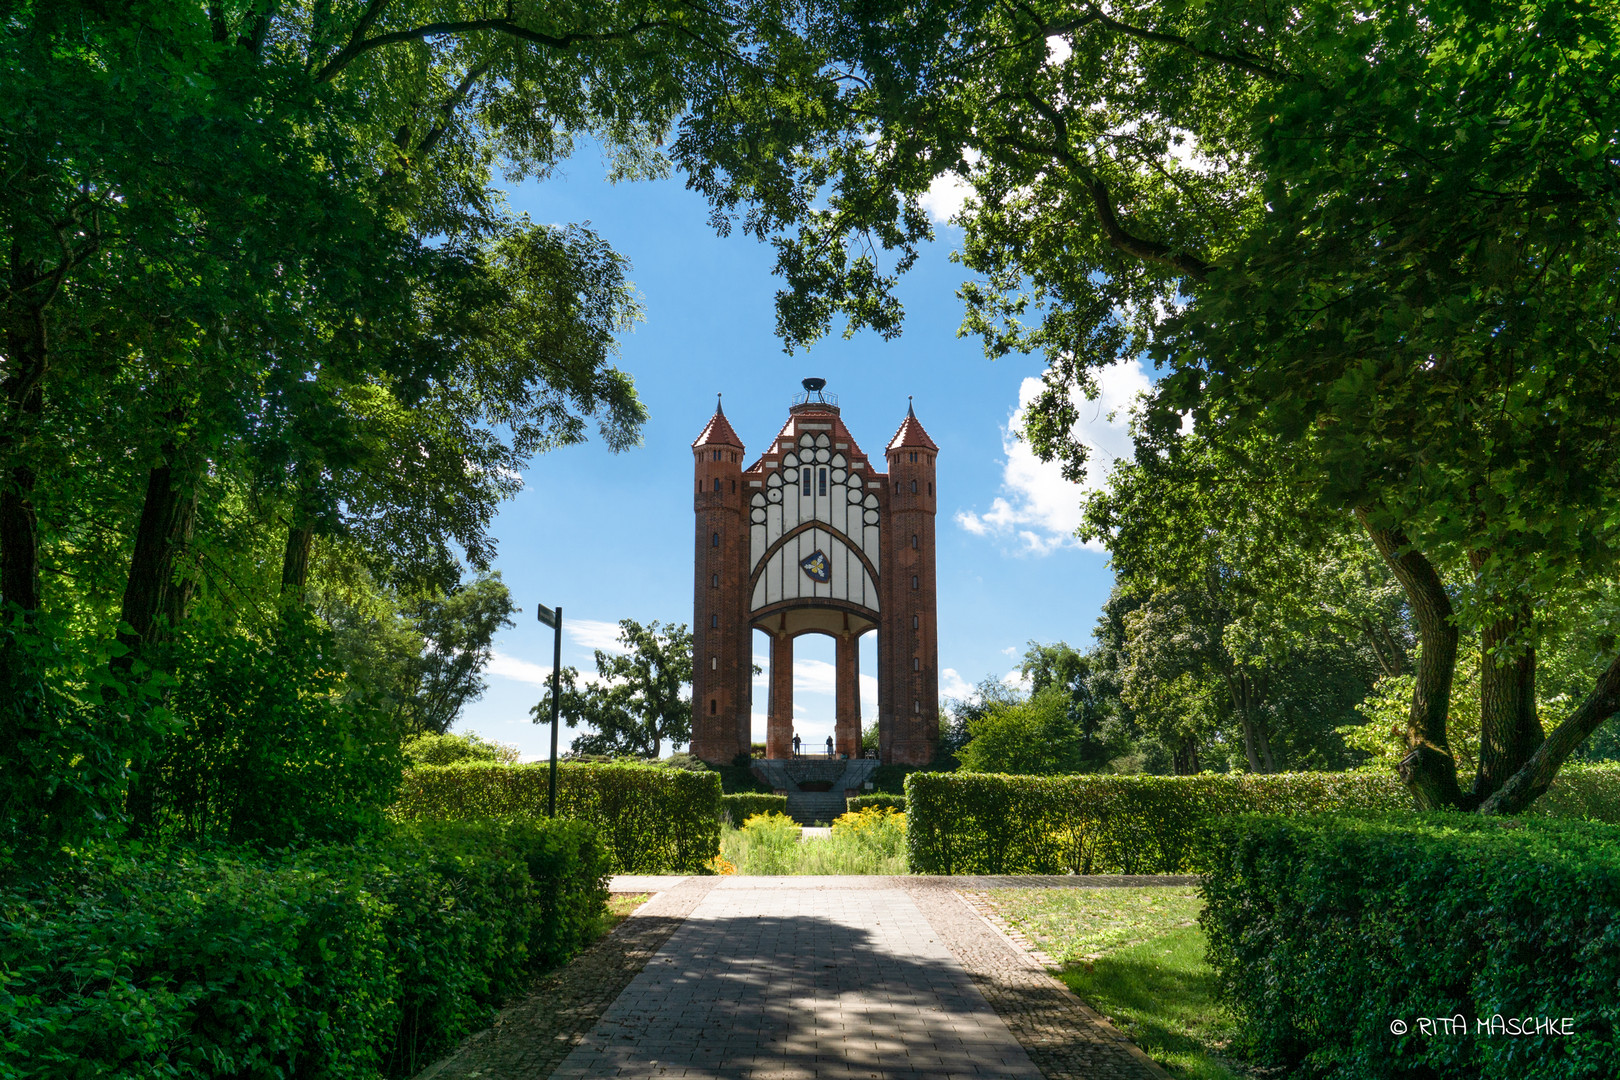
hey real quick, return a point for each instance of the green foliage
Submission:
(740, 780)
(452, 749)
(1035, 737)
(652, 820)
(875, 837)
(968, 823)
(881, 801)
(68, 729)
(739, 808)
(766, 843)
(203, 961)
(868, 842)
(640, 697)
(1323, 930)
(272, 749)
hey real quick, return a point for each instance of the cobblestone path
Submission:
(803, 978)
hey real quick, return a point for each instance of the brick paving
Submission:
(804, 978)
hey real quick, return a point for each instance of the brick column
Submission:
(847, 712)
(779, 725)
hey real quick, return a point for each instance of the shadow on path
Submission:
(798, 983)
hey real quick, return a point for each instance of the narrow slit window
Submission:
(821, 482)
(914, 540)
(714, 706)
(714, 582)
(914, 487)
(717, 483)
(916, 663)
(716, 541)
(714, 663)
(804, 481)
(913, 581)
(916, 622)
(714, 622)
(930, 487)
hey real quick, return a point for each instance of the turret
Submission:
(910, 662)
(721, 658)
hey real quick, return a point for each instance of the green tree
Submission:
(640, 698)
(1376, 238)
(1035, 737)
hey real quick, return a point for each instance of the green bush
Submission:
(273, 747)
(739, 808)
(1325, 930)
(979, 823)
(450, 749)
(200, 962)
(653, 820)
(976, 823)
(740, 780)
(766, 843)
(881, 802)
(1040, 736)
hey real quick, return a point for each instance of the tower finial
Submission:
(717, 402)
(910, 411)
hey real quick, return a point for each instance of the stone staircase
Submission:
(785, 775)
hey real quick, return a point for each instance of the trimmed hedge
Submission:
(653, 820)
(739, 808)
(333, 962)
(882, 802)
(1325, 931)
(980, 823)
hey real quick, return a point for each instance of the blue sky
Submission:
(609, 536)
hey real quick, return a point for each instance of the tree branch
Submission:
(1525, 786)
(1137, 247)
(357, 47)
(1242, 61)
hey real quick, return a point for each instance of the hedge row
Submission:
(978, 823)
(739, 808)
(335, 963)
(880, 802)
(652, 820)
(1419, 945)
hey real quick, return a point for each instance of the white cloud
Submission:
(947, 194)
(1040, 509)
(1017, 680)
(510, 667)
(593, 634)
(1011, 650)
(952, 685)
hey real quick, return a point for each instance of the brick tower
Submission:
(722, 653)
(811, 538)
(910, 659)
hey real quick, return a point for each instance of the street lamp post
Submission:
(552, 617)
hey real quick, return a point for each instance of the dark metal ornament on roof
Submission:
(815, 394)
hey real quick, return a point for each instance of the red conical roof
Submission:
(718, 432)
(911, 433)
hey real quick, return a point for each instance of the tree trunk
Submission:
(1429, 770)
(1185, 759)
(1526, 786)
(1509, 731)
(23, 394)
(1240, 705)
(295, 559)
(156, 595)
(1265, 748)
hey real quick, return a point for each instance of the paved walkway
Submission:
(804, 978)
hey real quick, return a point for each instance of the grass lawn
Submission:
(1137, 957)
(619, 907)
